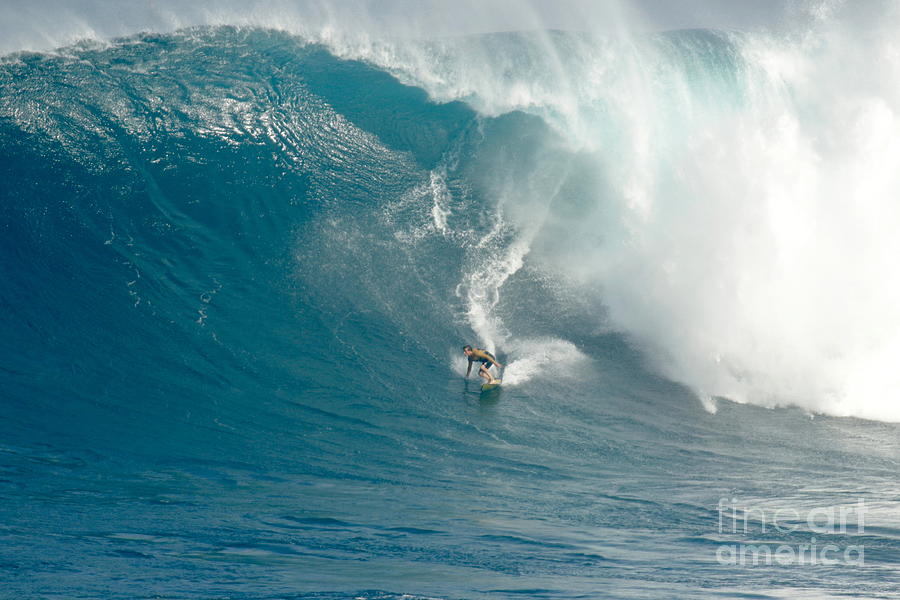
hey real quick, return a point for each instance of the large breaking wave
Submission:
(725, 201)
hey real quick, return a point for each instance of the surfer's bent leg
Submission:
(483, 371)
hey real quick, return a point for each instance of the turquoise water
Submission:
(237, 271)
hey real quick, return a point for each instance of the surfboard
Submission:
(486, 387)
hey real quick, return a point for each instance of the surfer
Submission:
(485, 358)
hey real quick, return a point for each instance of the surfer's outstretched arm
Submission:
(469, 370)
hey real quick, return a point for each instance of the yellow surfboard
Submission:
(491, 386)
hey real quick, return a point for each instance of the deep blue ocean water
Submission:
(236, 271)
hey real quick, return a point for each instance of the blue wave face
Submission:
(156, 194)
(237, 272)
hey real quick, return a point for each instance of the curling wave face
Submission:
(724, 200)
